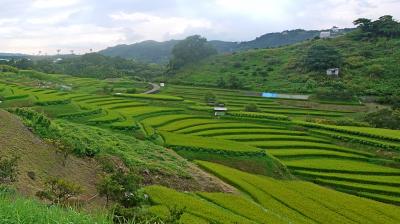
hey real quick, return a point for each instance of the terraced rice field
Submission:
(327, 155)
(266, 200)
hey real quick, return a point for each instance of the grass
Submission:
(14, 209)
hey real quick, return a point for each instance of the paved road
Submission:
(155, 89)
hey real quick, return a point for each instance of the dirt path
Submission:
(155, 89)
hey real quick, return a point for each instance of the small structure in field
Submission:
(162, 84)
(333, 72)
(325, 35)
(220, 111)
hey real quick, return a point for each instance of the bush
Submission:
(375, 70)
(7, 68)
(8, 170)
(131, 90)
(252, 107)
(58, 191)
(210, 98)
(121, 188)
(384, 118)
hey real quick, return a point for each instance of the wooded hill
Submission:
(160, 52)
(368, 62)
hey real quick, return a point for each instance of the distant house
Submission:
(162, 84)
(57, 60)
(324, 35)
(333, 72)
(220, 111)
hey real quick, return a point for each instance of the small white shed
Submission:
(333, 72)
(324, 35)
(162, 84)
(220, 111)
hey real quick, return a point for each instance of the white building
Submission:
(220, 111)
(333, 72)
(324, 35)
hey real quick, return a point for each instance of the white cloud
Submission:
(31, 25)
(45, 4)
(155, 27)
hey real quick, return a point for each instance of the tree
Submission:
(384, 118)
(252, 107)
(321, 57)
(385, 26)
(190, 50)
(364, 24)
(120, 187)
(234, 82)
(63, 149)
(221, 82)
(8, 170)
(210, 98)
(58, 190)
(375, 70)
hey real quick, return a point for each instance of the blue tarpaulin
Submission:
(270, 95)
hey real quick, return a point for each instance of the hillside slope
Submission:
(160, 52)
(39, 157)
(283, 70)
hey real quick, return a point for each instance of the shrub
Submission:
(375, 70)
(7, 68)
(384, 118)
(121, 188)
(210, 98)
(131, 90)
(8, 170)
(252, 107)
(58, 191)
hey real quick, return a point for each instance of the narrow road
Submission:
(155, 89)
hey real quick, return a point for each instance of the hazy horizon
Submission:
(79, 25)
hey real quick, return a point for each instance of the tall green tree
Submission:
(190, 50)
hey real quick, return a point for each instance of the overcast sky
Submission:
(28, 26)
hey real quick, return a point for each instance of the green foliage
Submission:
(131, 91)
(252, 107)
(121, 188)
(190, 50)
(7, 68)
(376, 70)
(385, 26)
(17, 210)
(384, 118)
(8, 169)
(334, 93)
(322, 57)
(58, 191)
(210, 98)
